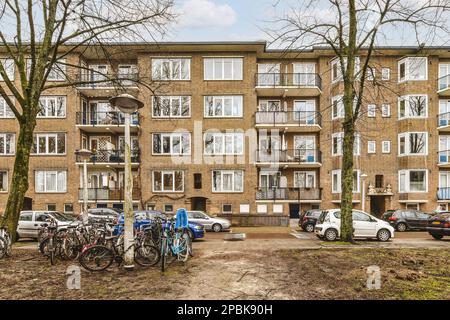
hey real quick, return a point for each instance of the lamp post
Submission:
(127, 104)
(363, 193)
(84, 154)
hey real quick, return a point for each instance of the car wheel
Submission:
(383, 235)
(331, 235)
(309, 227)
(401, 227)
(216, 227)
(437, 236)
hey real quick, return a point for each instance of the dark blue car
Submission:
(196, 230)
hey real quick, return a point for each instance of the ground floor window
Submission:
(227, 208)
(171, 181)
(442, 207)
(68, 207)
(51, 207)
(412, 180)
(168, 208)
(3, 181)
(315, 206)
(151, 206)
(261, 208)
(413, 206)
(227, 180)
(102, 205)
(277, 208)
(244, 208)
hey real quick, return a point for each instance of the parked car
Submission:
(439, 225)
(210, 223)
(308, 219)
(103, 214)
(31, 221)
(366, 226)
(388, 214)
(403, 220)
(145, 217)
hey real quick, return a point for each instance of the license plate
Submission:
(435, 222)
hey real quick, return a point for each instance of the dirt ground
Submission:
(242, 274)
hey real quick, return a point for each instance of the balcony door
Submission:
(444, 76)
(100, 146)
(305, 148)
(304, 179)
(304, 74)
(444, 185)
(98, 73)
(444, 148)
(305, 111)
(101, 112)
(444, 112)
(269, 179)
(269, 74)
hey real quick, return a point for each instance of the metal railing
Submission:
(289, 156)
(301, 118)
(105, 118)
(98, 81)
(288, 80)
(443, 193)
(443, 119)
(444, 82)
(111, 156)
(290, 193)
(443, 156)
(102, 194)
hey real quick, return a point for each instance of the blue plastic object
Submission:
(181, 221)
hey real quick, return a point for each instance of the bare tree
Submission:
(42, 34)
(352, 29)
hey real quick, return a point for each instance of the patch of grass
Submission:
(337, 243)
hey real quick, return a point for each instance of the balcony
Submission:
(112, 158)
(443, 122)
(107, 194)
(443, 193)
(444, 158)
(307, 158)
(288, 84)
(99, 85)
(444, 85)
(276, 193)
(296, 121)
(106, 121)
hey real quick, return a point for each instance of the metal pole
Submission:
(128, 206)
(363, 195)
(85, 193)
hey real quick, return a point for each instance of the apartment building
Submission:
(238, 130)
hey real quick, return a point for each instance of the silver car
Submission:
(31, 221)
(210, 223)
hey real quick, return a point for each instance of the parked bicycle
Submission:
(50, 240)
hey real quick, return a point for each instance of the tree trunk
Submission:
(19, 181)
(347, 184)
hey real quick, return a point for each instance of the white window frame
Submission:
(168, 172)
(237, 101)
(47, 136)
(171, 61)
(444, 76)
(407, 61)
(212, 62)
(385, 73)
(44, 102)
(224, 137)
(307, 174)
(7, 113)
(407, 136)
(385, 110)
(340, 110)
(171, 106)
(371, 110)
(4, 172)
(50, 172)
(371, 73)
(371, 147)
(233, 181)
(386, 146)
(337, 188)
(9, 66)
(339, 77)
(172, 136)
(406, 178)
(407, 99)
(12, 144)
(340, 138)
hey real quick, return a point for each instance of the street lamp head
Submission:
(363, 176)
(126, 103)
(83, 153)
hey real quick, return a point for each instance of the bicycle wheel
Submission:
(3, 247)
(70, 249)
(96, 258)
(146, 255)
(184, 248)
(163, 253)
(51, 251)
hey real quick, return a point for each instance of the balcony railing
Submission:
(443, 119)
(443, 193)
(444, 156)
(288, 80)
(111, 156)
(105, 118)
(102, 194)
(288, 193)
(301, 118)
(444, 82)
(98, 81)
(289, 156)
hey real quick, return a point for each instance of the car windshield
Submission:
(322, 216)
(59, 216)
(315, 214)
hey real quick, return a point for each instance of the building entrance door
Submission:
(377, 205)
